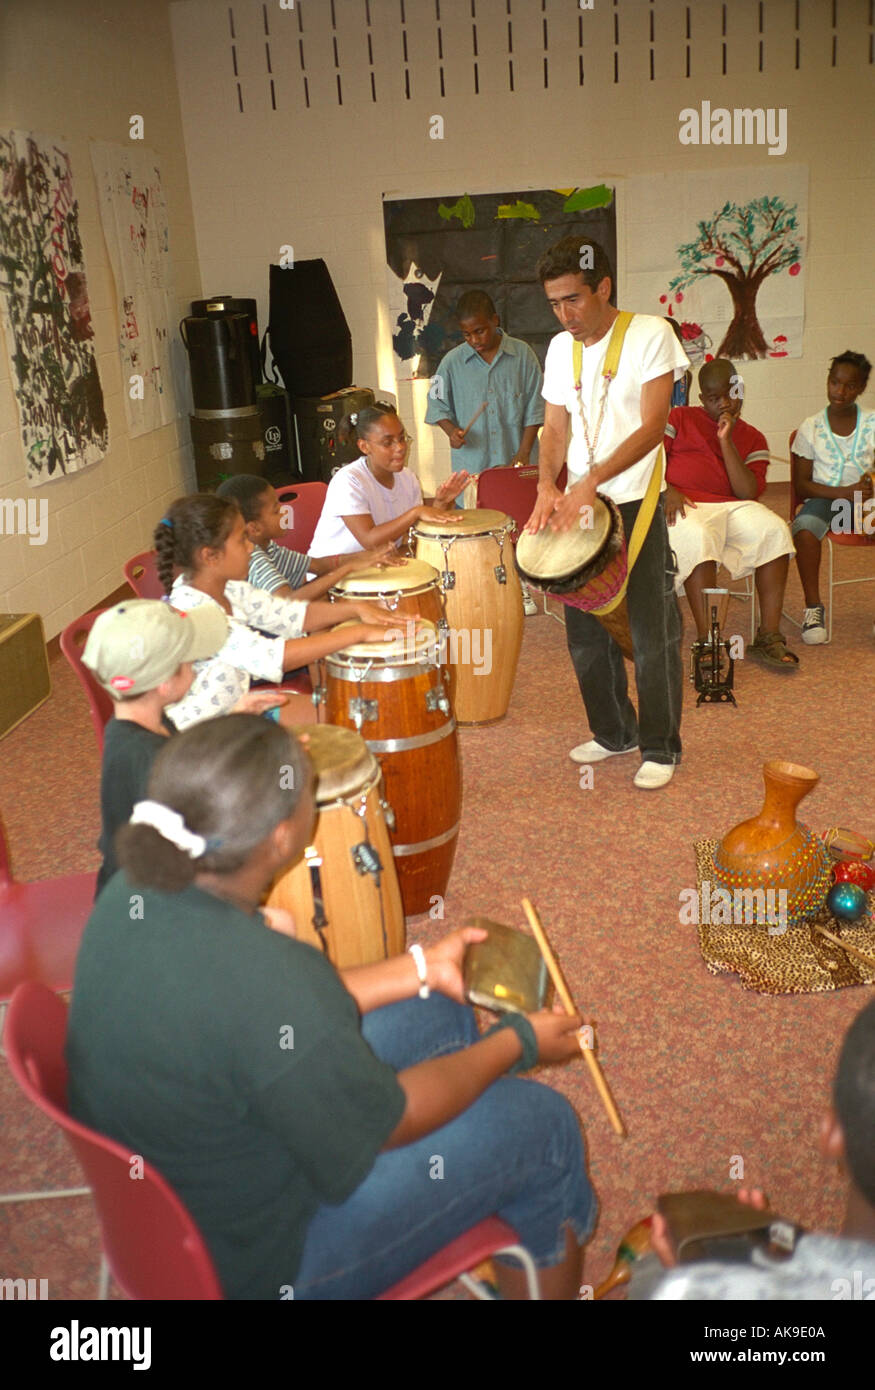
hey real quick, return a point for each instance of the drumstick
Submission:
(475, 416)
(846, 946)
(565, 995)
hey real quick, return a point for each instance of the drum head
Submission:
(343, 762)
(413, 575)
(477, 522)
(552, 556)
(409, 648)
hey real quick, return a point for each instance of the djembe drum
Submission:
(395, 694)
(585, 567)
(484, 607)
(344, 893)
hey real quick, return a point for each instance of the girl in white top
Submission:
(205, 537)
(833, 458)
(375, 500)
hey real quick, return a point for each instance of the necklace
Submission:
(592, 444)
(840, 458)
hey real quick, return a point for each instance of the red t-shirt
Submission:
(694, 461)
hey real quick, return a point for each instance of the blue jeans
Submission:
(516, 1153)
(655, 625)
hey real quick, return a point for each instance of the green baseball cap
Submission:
(142, 642)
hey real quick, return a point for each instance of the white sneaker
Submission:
(814, 626)
(650, 776)
(530, 608)
(593, 752)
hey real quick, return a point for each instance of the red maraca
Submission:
(854, 871)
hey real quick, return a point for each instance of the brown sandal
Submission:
(771, 649)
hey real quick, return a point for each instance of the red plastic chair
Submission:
(513, 490)
(833, 538)
(305, 502)
(151, 1245)
(142, 575)
(41, 925)
(100, 704)
(489, 1237)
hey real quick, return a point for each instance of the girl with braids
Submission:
(376, 499)
(833, 460)
(298, 1112)
(205, 537)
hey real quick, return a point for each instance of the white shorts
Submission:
(740, 535)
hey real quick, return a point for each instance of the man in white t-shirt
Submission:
(616, 435)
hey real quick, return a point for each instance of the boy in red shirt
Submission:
(716, 468)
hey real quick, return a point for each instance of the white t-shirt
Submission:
(838, 459)
(650, 349)
(221, 680)
(354, 491)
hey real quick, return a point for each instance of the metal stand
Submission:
(711, 659)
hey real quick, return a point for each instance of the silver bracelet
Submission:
(418, 955)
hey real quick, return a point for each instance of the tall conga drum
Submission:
(395, 694)
(343, 894)
(584, 568)
(472, 550)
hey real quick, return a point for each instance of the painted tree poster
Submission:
(723, 253)
(437, 248)
(134, 217)
(47, 317)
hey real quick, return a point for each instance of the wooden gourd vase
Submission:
(772, 851)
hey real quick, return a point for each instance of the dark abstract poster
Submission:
(437, 248)
(47, 317)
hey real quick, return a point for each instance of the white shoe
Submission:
(650, 776)
(814, 626)
(530, 608)
(593, 752)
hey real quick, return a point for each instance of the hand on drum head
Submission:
(367, 559)
(548, 496)
(376, 615)
(569, 510)
(556, 1033)
(431, 514)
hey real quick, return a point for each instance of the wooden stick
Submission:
(475, 416)
(846, 946)
(565, 995)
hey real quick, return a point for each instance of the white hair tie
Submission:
(170, 826)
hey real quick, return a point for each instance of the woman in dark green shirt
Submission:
(323, 1154)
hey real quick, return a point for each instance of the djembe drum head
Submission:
(556, 560)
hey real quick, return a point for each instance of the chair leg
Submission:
(530, 1269)
(830, 591)
(103, 1280)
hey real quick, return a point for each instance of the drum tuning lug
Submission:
(366, 859)
(319, 695)
(436, 699)
(389, 813)
(363, 711)
(501, 574)
(448, 580)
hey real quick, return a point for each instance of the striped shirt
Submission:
(274, 565)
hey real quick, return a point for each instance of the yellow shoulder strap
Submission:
(615, 347)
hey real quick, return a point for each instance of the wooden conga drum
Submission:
(408, 589)
(484, 607)
(585, 567)
(343, 894)
(396, 695)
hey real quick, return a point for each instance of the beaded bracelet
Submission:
(526, 1034)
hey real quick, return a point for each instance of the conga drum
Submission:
(484, 607)
(407, 589)
(343, 894)
(395, 694)
(585, 568)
